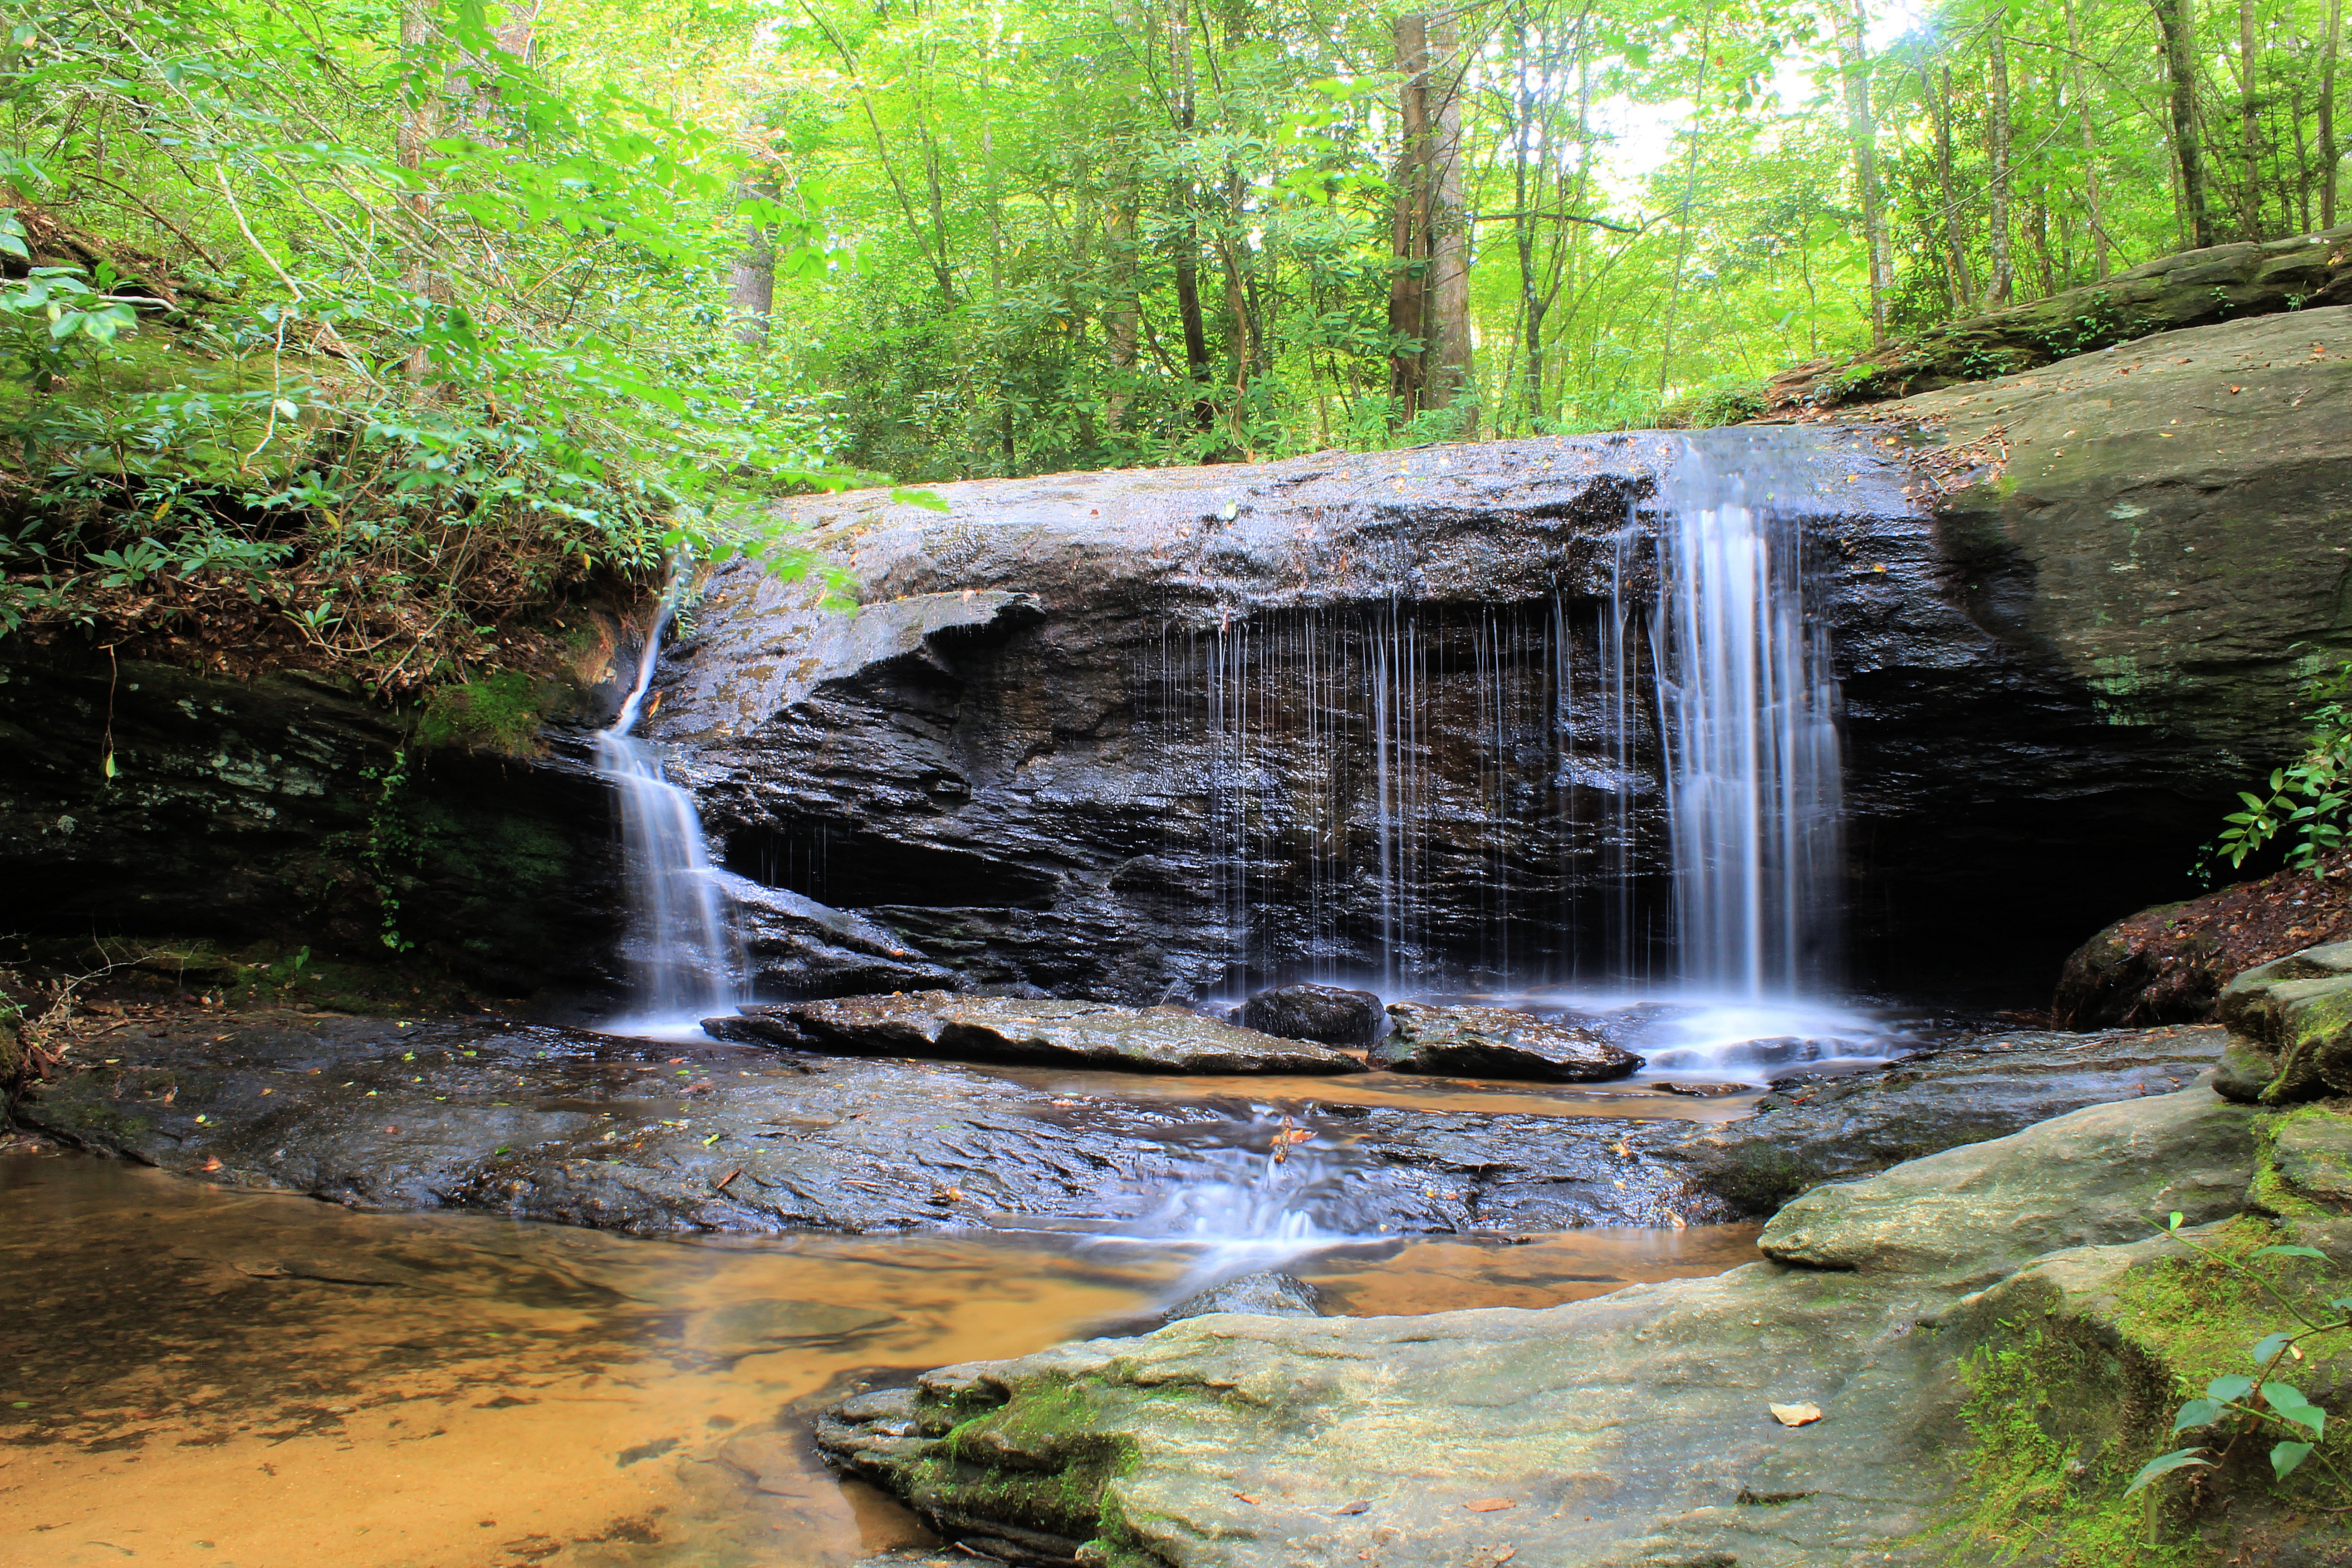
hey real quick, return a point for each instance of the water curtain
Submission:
(1626, 788)
(684, 958)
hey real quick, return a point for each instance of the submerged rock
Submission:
(1629, 1428)
(1495, 1042)
(2290, 1027)
(1272, 1294)
(1822, 1128)
(1327, 1015)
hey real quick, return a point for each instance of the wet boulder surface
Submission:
(1823, 1127)
(650, 1137)
(937, 1026)
(1327, 1015)
(2290, 1023)
(1496, 1042)
(1631, 1428)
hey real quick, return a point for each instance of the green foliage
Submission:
(2263, 1406)
(442, 331)
(391, 842)
(2307, 800)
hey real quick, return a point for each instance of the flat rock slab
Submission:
(1818, 1128)
(937, 1024)
(1495, 1042)
(1630, 1430)
(652, 1137)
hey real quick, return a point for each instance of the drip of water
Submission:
(685, 962)
(1242, 1210)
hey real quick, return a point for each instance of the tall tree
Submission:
(2328, 115)
(420, 122)
(2004, 269)
(1863, 128)
(2086, 116)
(1429, 294)
(2177, 19)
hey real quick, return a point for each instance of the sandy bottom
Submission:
(190, 1375)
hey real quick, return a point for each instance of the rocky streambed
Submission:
(543, 1122)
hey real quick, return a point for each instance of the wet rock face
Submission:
(1140, 736)
(280, 807)
(1327, 1014)
(1491, 1042)
(1814, 1129)
(939, 1026)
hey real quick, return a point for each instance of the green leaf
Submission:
(107, 767)
(2285, 1457)
(2231, 1387)
(2270, 1347)
(2164, 1464)
(2293, 1406)
(2197, 1413)
(2291, 1252)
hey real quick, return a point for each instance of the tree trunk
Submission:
(2250, 123)
(752, 280)
(2179, 20)
(1862, 126)
(2090, 143)
(2004, 269)
(1955, 257)
(420, 122)
(2327, 116)
(1123, 310)
(1429, 294)
(1690, 193)
(1188, 232)
(477, 85)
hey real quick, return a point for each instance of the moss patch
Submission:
(501, 712)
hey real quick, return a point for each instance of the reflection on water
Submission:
(191, 1375)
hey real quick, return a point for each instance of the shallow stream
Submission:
(192, 1375)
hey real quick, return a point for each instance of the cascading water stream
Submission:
(1747, 700)
(684, 960)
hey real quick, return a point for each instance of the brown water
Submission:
(190, 1375)
(1632, 1101)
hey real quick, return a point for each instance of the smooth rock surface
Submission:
(1327, 1015)
(937, 1024)
(1822, 1128)
(1269, 1294)
(1495, 1042)
(1628, 1429)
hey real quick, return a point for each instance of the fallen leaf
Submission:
(720, 1184)
(212, 1164)
(1246, 1498)
(1489, 1504)
(1796, 1415)
(1357, 1507)
(948, 1195)
(1505, 1555)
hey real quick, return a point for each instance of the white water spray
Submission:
(683, 956)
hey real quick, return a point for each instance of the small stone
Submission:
(1324, 1014)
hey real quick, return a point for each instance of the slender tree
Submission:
(2177, 19)
(2004, 267)
(2328, 115)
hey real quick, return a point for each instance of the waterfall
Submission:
(1627, 782)
(684, 961)
(1748, 702)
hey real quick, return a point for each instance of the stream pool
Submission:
(194, 1375)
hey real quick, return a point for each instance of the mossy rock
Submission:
(501, 712)
(2293, 1016)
